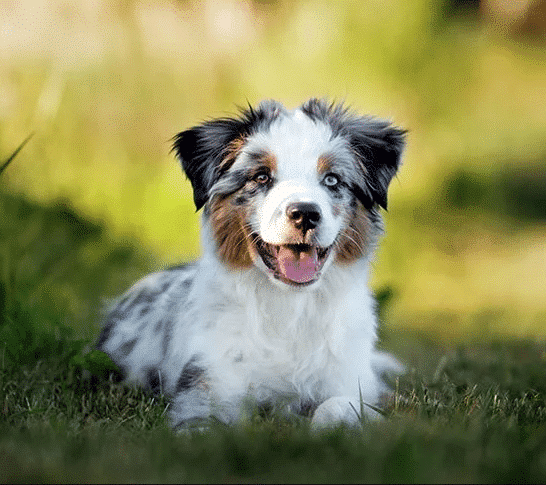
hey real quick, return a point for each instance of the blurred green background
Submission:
(105, 86)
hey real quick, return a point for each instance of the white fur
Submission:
(255, 339)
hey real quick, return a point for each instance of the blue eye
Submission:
(331, 180)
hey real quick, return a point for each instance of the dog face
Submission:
(292, 192)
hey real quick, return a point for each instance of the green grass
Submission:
(472, 413)
(481, 418)
(463, 259)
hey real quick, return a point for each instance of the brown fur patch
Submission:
(228, 220)
(324, 164)
(264, 159)
(233, 150)
(354, 242)
(268, 160)
(231, 233)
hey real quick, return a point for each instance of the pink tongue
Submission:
(297, 266)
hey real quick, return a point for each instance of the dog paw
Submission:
(341, 410)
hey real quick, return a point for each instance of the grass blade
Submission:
(14, 154)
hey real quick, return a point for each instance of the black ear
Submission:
(378, 146)
(201, 149)
(186, 146)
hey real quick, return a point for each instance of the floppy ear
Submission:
(201, 149)
(378, 146)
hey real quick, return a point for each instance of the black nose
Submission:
(304, 215)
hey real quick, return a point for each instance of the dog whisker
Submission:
(289, 324)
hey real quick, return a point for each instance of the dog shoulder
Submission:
(137, 329)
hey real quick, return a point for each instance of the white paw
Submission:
(341, 410)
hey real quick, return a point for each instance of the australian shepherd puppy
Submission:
(277, 311)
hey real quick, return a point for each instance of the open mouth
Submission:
(294, 264)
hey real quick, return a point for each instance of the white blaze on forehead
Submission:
(296, 142)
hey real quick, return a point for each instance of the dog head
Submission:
(292, 192)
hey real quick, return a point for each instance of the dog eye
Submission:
(331, 180)
(262, 178)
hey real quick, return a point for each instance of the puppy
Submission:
(277, 310)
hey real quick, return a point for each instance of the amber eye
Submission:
(331, 180)
(262, 178)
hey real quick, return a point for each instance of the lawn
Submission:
(465, 413)
(94, 200)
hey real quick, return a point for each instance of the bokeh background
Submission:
(104, 86)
